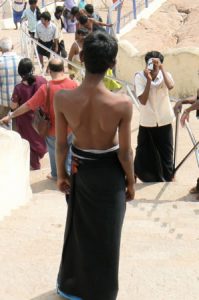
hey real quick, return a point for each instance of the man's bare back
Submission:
(94, 114)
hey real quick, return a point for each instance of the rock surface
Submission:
(174, 25)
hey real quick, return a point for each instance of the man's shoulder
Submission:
(121, 100)
(69, 83)
(39, 24)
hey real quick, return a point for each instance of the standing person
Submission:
(154, 153)
(60, 25)
(18, 7)
(91, 13)
(69, 21)
(58, 82)
(102, 173)
(89, 9)
(68, 4)
(9, 76)
(32, 15)
(47, 34)
(194, 101)
(74, 54)
(22, 93)
(81, 4)
(89, 23)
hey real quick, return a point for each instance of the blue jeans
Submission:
(50, 141)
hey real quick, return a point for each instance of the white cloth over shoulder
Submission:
(158, 110)
(15, 169)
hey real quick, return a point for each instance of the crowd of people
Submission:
(89, 139)
(47, 29)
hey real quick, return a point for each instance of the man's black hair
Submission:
(74, 10)
(82, 31)
(46, 16)
(25, 70)
(32, 2)
(59, 9)
(56, 67)
(99, 52)
(154, 54)
(83, 19)
(89, 8)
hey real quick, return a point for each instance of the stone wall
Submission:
(182, 63)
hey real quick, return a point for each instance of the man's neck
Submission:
(58, 76)
(93, 80)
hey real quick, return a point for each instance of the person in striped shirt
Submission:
(9, 76)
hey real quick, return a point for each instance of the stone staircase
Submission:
(160, 240)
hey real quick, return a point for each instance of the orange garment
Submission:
(39, 98)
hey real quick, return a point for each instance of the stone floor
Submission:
(160, 240)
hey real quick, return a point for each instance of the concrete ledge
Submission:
(182, 63)
(14, 175)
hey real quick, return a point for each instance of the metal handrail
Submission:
(54, 54)
(3, 3)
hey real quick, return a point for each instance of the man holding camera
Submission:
(154, 153)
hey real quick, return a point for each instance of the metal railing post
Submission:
(118, 17)
(134, 9)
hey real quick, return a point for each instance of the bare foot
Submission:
(49, 176)
(194, 190)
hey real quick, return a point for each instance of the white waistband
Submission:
(95, 151)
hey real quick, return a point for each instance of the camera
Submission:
(150, 64)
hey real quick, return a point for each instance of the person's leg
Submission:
(62, 50)
(34, 160)
(41, 59)
(195, 189)
(164, 143)
(50, 142)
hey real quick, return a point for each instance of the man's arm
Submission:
(18, 112)
(145, 95)
(61, 128)
(189, 100)
(125, 154)
(185, 115)
(98, 23)
(168, 81)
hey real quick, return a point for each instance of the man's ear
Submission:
(112, 65)
(81, 55)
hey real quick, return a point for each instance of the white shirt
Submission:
(158, 110)
(46, 34)
(31, 16)
(58, 24)
(18, 5)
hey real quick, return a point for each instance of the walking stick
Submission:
(176, 142)
(193, 141)
(185, 158)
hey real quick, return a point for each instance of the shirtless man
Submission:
(102, 175)
(90, 23)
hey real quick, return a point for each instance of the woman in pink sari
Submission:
(23, 92)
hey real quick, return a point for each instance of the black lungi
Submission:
(96, 208)
(154, 154)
